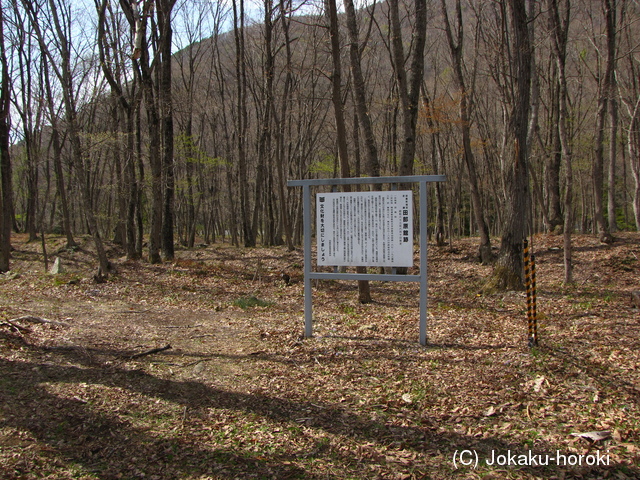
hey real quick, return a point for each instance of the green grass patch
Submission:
(250, 302)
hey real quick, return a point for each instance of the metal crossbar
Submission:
(367, 180)
(309, 274)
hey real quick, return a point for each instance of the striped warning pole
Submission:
(530, 296)
(534, 308)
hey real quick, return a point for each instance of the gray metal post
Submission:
(306, 219)
(423, 263)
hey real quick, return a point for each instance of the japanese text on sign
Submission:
(372, 229)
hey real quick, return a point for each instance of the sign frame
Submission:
(310, 274)
(372, 228)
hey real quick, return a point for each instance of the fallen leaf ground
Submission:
(240, 395)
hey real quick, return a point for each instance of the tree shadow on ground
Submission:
(78, 434)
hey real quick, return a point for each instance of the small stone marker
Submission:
(56, 268)
(635, 298)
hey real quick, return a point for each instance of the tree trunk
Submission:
(633, 148)
(6, 194)
(559, 28)
(128, 191)
(31, 149)
(359, 89)
(364, 291)
(164, 8)
(264, 142)
(605, 95)
(409, 89)
(455, 47)
(62, 67)
(155, 161)
(57, 162)
(241, 123)
(437, 162)
(508, 270)
(281, 157)
(553, 173)
(613, 144)
(138, 18)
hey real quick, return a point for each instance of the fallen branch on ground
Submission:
(33, 319)
(182, 326)
(12, 325)
(149, 352)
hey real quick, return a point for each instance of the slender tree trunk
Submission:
(133, 204)
(242, 121)
(57, 162)
(409, 89)
(606, 94)
(25, 111)
(264, 142)
(138, 14)
(613, 146)
(155, 161)
(552, 174)
(359, 89)
(437, 162)
(6, 195)
(128, 189)
(62, 67)
(633, 149)
(364, 291)
(336, 89)
(559, 33)
(120, 234)
(281, 157)
(455, 47)
(164, 8)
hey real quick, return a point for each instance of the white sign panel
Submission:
(369, 229)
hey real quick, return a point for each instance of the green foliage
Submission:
(188, 149)
(66, 279)
(583, 54)
(250, 301)
(325, 164)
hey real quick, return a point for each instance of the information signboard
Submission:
(372, 229)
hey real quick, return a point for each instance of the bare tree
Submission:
(127, 97)
(242, 121)
(30, 120)
(409, 88)
(630, 97)
(466, 98)
(56, 144)
(284, 122)
(612, 42)
(604, 97)
(6, 195)
(559, 22)
(138, 14)
(364, 291)
(507, 274)
(165, 36)
(60, 27)
(360, 90)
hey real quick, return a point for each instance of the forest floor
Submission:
(241, 395)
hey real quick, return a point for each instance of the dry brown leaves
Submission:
(241, 395)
